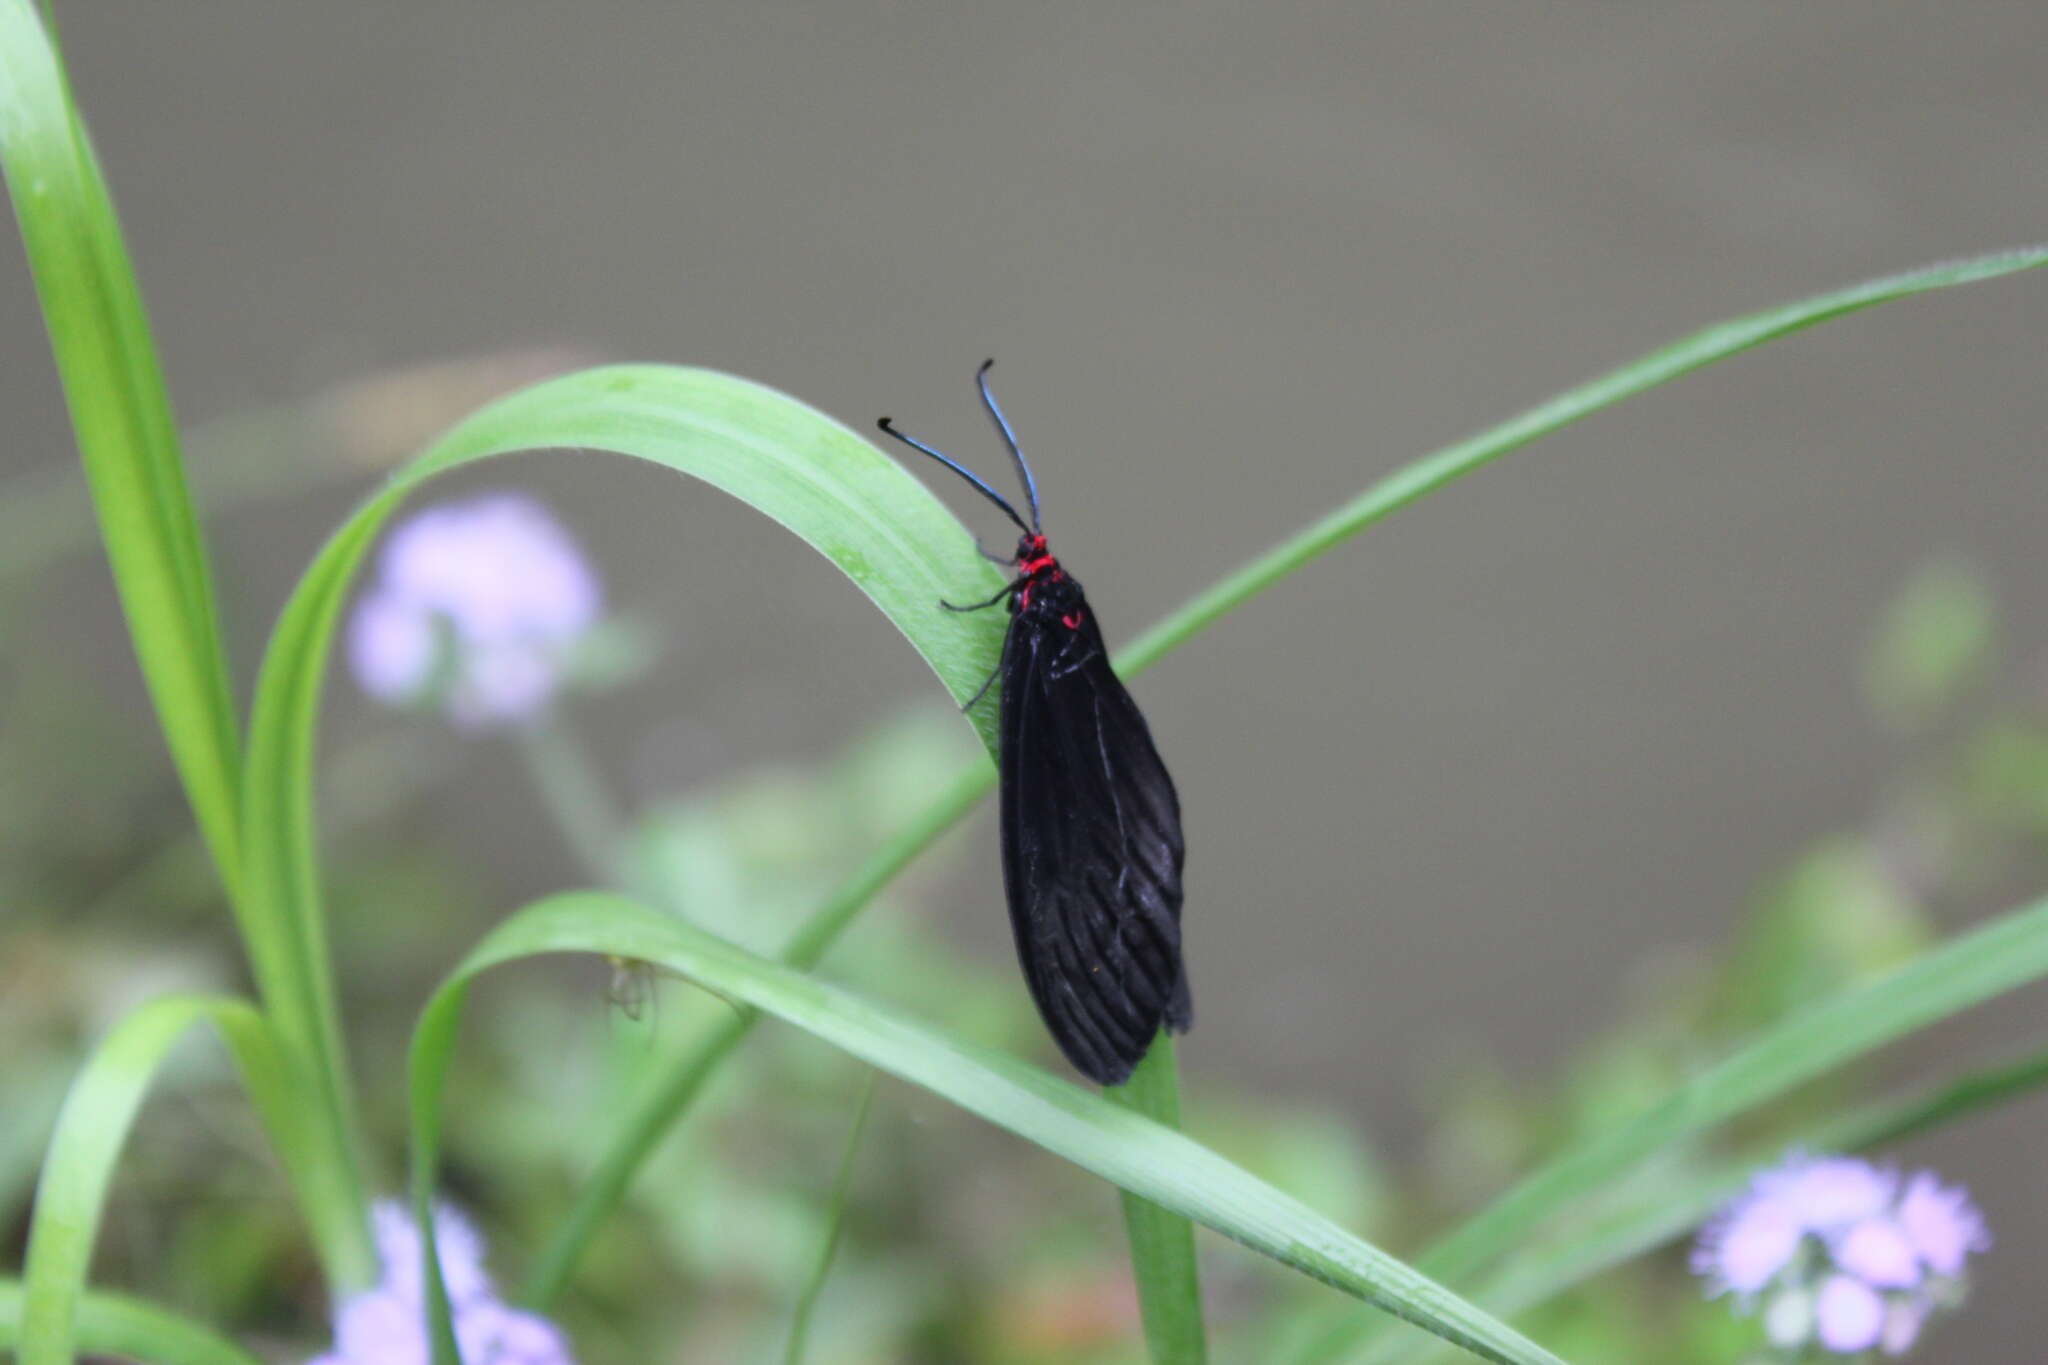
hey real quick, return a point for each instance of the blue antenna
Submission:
(962, 470)
(1009, 437)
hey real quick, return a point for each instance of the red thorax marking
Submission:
(1032, 560)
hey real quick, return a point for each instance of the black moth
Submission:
(1091, 825)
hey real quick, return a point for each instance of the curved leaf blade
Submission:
(93, 1127)
(1146, 1158)
(882, 527)
(658, 1107)
(114, 1324)
(1711, 344)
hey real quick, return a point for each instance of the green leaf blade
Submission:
(882, 527)
(1410, 483)
(116, 1325)
(1151, 1161)
(128, 444)
(93, 1127)
(120, 411)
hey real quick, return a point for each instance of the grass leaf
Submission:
(120, 410)
(116, 1325)
(1146, 1158)
(657, 1107)
(91, 1130)
(127, 439)
(1709, 345)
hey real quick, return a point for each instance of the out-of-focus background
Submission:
(1460, 795)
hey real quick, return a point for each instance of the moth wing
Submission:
(1092, 849)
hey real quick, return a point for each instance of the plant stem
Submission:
(575, 797)
(1162, 1243)
(835, 1224)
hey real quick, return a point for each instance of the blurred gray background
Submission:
(1447, 789)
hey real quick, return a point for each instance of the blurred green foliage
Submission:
(956, 1244)
(1938, 637)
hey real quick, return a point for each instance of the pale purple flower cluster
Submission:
(476, 606)
(1840, 1255)
(388, 1325)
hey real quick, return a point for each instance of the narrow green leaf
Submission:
(234, 462)
(1125, 1148)
(91, 1130)
(1942, 1104)
(835, 1224)
(120, 410)
(661, 1107)
(1414, 481)
(115, 1325)
(433, 1048)
(1162, 1243)
(1540, 1272)
(2007, 953)
(882, 527)
(282, 884)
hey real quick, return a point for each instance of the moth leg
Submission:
(1008, 588)
(968, 705)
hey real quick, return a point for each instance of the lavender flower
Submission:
(387, 1324)
(1944, 1225)
(476, 607)
(1839, 1256)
